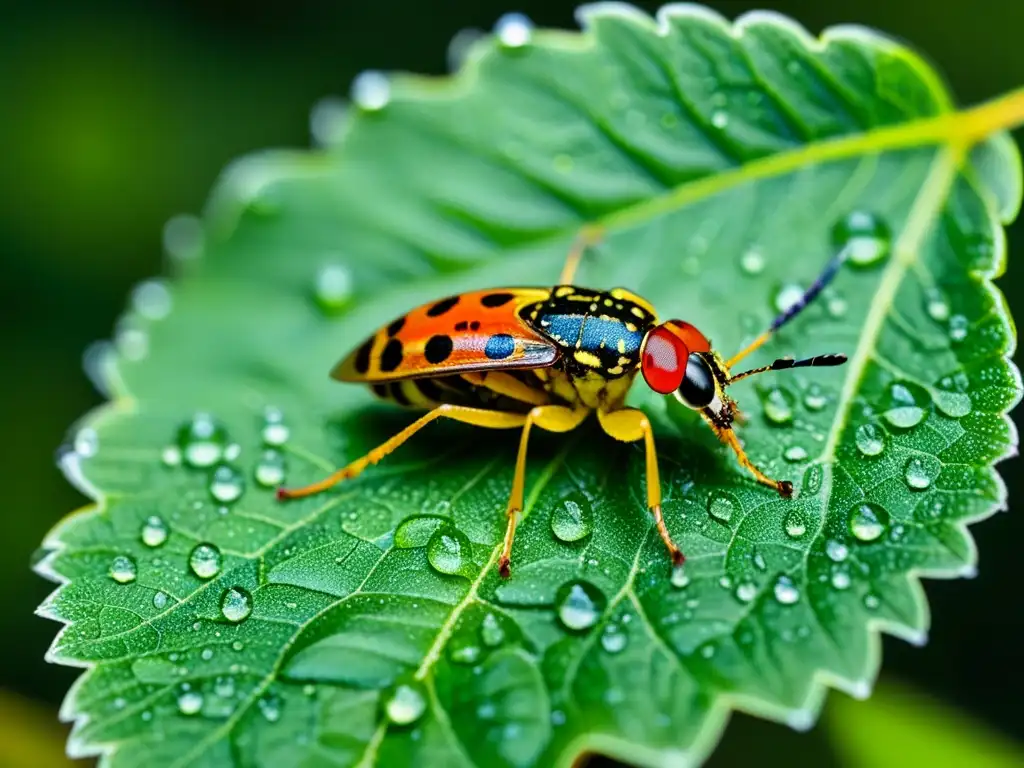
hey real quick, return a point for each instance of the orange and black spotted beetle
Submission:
(520, 357)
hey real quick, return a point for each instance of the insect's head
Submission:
(677, 359)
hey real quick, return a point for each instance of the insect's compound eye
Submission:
(694, 340)
(697, 389)
(663, 364)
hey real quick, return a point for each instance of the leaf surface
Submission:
(727, 163)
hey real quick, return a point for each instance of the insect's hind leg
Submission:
(477, 416)
(631, 425)
(552, 418)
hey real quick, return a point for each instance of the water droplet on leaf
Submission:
(837, 551)
(752, 261)
(958, 328)
(904, 406)
(171, 456)
(870, 440)
(270, 708)
(226, 484)
(160, 600)
(205, 561)
(936, 306)
(405, 703)
(680, 578)
(868, 521)
(236, 604)
(921, 471)
(333, 288)
(746, 591)
(614, 639)
(449, 551)
(721, 506)
(371, 91)
(815, 398)
(275, 432)
(491, 632)
(719, 118)
(573, 519)
(787, 296)
(270, 470)
(795, 524)
(202, 441)
(841, 579)
(786, 591)
(123, 569)
(154, 531)
(190, 702)
(864, 236)
(151, 299)
(579, 605)
(795, 453)
(513, 30)
(778, 405)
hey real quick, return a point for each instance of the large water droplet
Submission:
(205, 561)
(270, 469)
(864, 236)
(786, 591)
(190, 702)
(746, 591)
(405, 703)
(275, 432)
(371, 91)
(333, 288)
(449, 551)
(958, 328)
(787, 296)
(778, 405)
(752, 261)
(154, 531)
(868, 521)
(573, 519)
(202, 440)
(904, 409)
(123, 569)
(513, 30)
(579, 605)
(837, 551)
(920, 472)
(492, 634)
(236, 604)
(226, 484)
(936, 306)
(721, 506)
(795, 524)
(415, 531)
(614, 639)
(870, 440)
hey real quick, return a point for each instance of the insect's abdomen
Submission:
(596, 331)
(427, 393)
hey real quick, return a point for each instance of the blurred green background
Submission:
(117, 116)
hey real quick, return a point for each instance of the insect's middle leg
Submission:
(728, 436)
(630, 425)
(553, 418)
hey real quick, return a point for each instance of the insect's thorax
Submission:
(599, 335)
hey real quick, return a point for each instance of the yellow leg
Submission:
(755, 344)
(476, 416)
(553, 418)
(728, 436)
(630, 425)
(589, 235)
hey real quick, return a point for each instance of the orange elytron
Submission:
(515, 358)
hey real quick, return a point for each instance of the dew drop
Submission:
(811, 481)
(921, 471)
(719, 118)
(573, 519)
(491, 632)
(815, 398)
(579, 605)
(171, 456)
(835, 305)
(449, 550)
(795, 453)
(183, 237)
(795, 524)
(190, 702)
(778, 405)
(868, 522)
(759, 561)
(123, 569)
(958, 328)
(270, 708)
(226, 484)
(786, 591)
(151, 299)
(333, 288)
(205, 561)
(207, 654)
(870, 440)
(841, 579)
(202, 441)
(752, 261)
(787, 296)
(236, 604)
(514, 30)
(746, 591)
(871, 602)
(405, 703)
(160, 600)
(837, 551)
(224, 687)
(270, 470)
(680, 579)
(371, 91)
(415, 531)
(87, 442)
(864, 237)
(154, 531)
(328, 120)
(614, 639)
(721, 506)
(936, 306)
(904, 407)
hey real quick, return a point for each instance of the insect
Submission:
(518, 358)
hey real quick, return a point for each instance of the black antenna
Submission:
(783, 363)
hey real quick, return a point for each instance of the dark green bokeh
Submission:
(116, 118)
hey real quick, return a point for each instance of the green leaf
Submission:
(220, 627)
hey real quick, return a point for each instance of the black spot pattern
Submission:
(442, 306)
(475, 325)
(462, 325)
(500, 346)
(396, 326)
(437, 349)
(363, 357)
(380, 391)
(391, 357)
(496, 299)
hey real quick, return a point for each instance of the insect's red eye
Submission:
(664, 360)
(694, 340)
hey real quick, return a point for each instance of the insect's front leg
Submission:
(728, 436)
